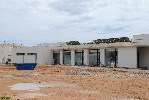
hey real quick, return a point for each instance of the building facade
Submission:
(5, 51)
(120, 52)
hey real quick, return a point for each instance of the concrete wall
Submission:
(27, 58)
(44, 55)
(141, 39)
(143, 56)
(64, 46)
(127, 57)
(5, 52)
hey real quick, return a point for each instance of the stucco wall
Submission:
(27, 58)
(141, 39)
(143, 56)
(127, 57)
(45, 55)
(5, 52)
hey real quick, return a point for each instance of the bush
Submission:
(5, 98)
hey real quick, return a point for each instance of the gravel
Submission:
(123, 73)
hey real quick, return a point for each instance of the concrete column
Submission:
(51, 57)
(61, 57)
(86, 57)
(102, 56)
(72, 57)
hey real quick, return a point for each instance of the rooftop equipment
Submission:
(105, 41)
(96, 41)
(73, 43)
(124, 39)
(113, 40)
(110, 40)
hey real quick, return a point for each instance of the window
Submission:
(31, 53)
(56, 57)
(79, 57)
(111, 56)
(94, 57)
(67, 57)
(20, 54)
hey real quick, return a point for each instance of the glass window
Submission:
(56, 57)
(20, 54)
(79, 57)
(31, 53)
(111, 57)
(94, 57)
(67, 57)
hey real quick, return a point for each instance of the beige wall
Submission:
(127, 57)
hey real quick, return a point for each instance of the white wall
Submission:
(45, 55)
(143, 56)
(141, 39)
(127, 57)
(27, 58)
(5, 52)
(89, 46)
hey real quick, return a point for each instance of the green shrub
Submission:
(5, 98)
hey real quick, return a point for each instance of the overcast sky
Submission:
(39, 21)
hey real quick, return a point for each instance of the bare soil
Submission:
(74, 83)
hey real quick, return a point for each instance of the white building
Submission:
(120, 52)
(5, 51)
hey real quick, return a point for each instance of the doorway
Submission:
(79, 57)
(56, 57)
(94, 57)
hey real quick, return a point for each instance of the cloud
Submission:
(35, 21)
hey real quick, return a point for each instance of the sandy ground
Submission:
(73, 83)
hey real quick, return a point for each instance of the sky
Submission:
(31, 22)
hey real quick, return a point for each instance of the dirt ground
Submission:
(73, 83)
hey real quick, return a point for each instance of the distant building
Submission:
(5, 51)
(120, 52)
